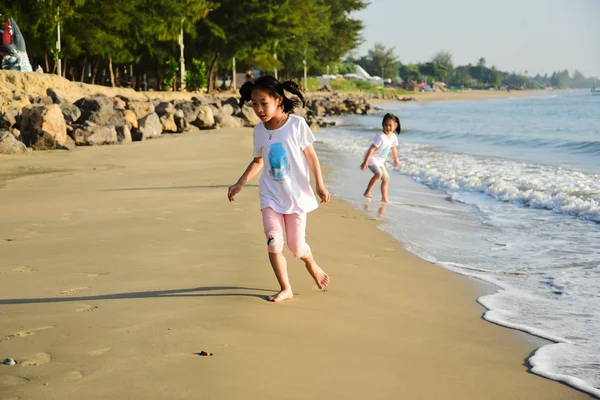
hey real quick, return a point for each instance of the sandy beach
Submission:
(121, 263)
(467, 95)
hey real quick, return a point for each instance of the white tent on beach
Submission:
(364, 75)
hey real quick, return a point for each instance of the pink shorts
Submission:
(295, 230)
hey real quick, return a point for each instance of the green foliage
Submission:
(170, 70)
(344, 67)
(380, 61)
(409, 72)
(195, 77)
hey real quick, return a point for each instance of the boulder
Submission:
(141, 108)
(249, 116)
(43, 127)
(99, 110)
(149, 127)
(92, 135)
(168, 123)
(229, 121)
(10, 145)
(205, 118)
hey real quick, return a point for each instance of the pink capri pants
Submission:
(295, 230)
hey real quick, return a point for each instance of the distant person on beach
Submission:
(377, 153)
(249, 76)
(283, 144)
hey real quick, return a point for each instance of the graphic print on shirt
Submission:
(278, 162)
(385, 152)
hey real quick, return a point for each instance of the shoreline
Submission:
(122, 270)
(467, 95)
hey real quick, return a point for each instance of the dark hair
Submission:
(394, 118)
(274, 88)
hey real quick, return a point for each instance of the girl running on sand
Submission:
(283, 145)
(377, 153)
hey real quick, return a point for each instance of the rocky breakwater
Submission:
(49, 122)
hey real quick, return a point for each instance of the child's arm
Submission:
(395, 155)
(370, 152)
(315, 168)
(253, 168)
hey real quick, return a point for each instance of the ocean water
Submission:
(506, 191)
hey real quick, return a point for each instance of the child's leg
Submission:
(295, 229)
(385, 180)
(376, 176)
(273, 223)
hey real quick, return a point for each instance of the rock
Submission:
(249, 116)
(190, 110)
(149, 127)
(56, 96)
(124, 133)
(119, 104)
(99, 110)
(9, 361)
(205, 118)
(43, 126)
(131, 118)
(70, 112)
(228, 109)
(10, 145)
(229, 121)
(141, 108)
(8, 119)
(180, 121)
(21, 98)
(168, 123)
(93, 135)
(46, 100)
(163, 108)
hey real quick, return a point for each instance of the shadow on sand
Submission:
(149, 294)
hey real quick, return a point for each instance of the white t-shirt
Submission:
(285, 179)
(383, 144)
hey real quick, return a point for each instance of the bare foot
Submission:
(320, 277)
(386, 201)
(285, 294)
(367, 195)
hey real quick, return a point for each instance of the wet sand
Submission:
(119, 264)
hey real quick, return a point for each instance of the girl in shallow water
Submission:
(377, 153)
(283, 145)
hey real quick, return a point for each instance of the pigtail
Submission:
(293, 88)
(399, 128)
(246, 93)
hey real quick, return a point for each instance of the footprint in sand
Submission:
(68, 292)
(99, 352)
(27, 233)
(26, 332)
(94, 274)
(73, 376)
(85, 307)
(13, 380)
(23, 270)
(39, 359)
(19, 270)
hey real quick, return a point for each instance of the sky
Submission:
(537, 36)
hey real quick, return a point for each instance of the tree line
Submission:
(382, 61)
(105, 41)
